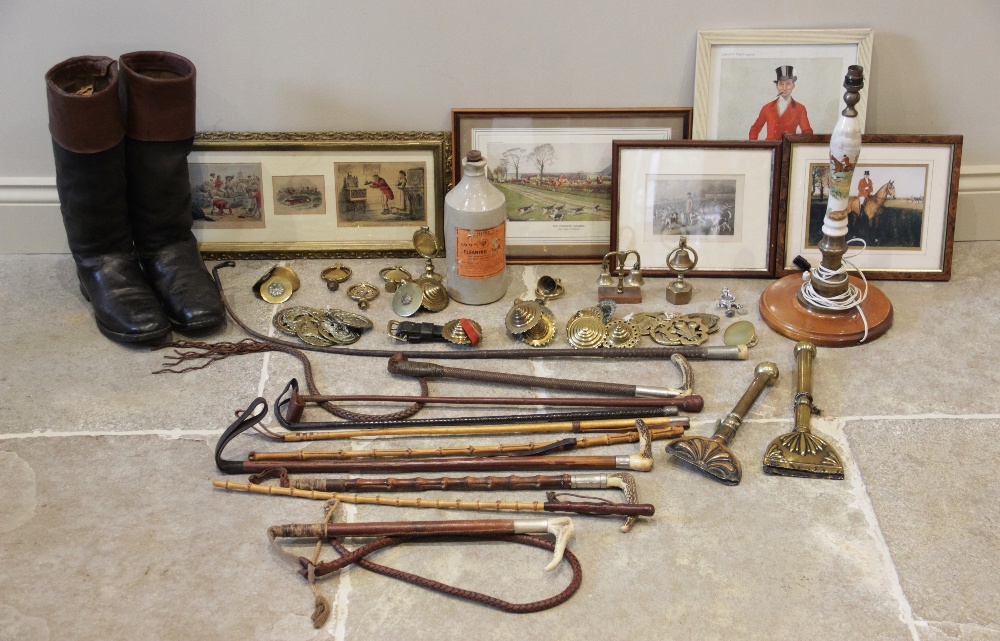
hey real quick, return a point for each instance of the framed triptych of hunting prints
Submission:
(902, 204)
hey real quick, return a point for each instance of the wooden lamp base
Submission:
(783, 312)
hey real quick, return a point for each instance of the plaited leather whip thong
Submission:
(388, 534)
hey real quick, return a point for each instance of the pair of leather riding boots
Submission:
(125, 195)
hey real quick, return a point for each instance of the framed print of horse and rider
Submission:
(762, 84)
(902, 204)
(275, 195)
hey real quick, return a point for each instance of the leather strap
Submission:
(357, 556)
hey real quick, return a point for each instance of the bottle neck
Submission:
(477, 168)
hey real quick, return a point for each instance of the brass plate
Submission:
(407, 299)
(710, 321)
(350, 319)
(425, 243)
(336, 274)
(620, 333)
(524, 315)
(541, 333)
(394, 277)
(363, 293)
(585, 332)
(435, 296)
(740, 333)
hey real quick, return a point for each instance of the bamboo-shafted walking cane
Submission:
(655, 434)
(641, 461)
(609, 425)
(623, 481)
(593, 508)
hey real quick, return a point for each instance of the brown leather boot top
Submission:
(85, 114)
(159, 95)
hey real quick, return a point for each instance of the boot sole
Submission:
(119, 337)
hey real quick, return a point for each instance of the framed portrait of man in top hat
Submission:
(760, 85)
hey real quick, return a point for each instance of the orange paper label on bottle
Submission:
(480, 253)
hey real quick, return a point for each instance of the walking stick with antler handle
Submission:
(561, 528)
(620, 480)
(553, 504)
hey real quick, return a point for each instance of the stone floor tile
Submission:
(933, 487)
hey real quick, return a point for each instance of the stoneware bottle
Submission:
(475, 216)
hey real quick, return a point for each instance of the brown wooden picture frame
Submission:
(896, 249)
(721, 195)
(538, 231)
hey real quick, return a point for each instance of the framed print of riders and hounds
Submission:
(763, 84)
(720, 195)
(554, 168)
(357, 194)
(902, 204)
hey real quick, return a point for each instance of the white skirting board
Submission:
(31, 223)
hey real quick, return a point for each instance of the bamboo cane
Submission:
(605, 425)
(655, 434)
(594, 508)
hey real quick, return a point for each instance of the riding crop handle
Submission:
(764, 375)
(395, 528)
(420, 369)
(805, 352)
(606, 509)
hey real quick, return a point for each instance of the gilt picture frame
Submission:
(317, 194)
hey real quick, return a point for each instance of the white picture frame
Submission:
(736, 73)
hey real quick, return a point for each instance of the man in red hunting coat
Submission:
(865, 189)
(782, 115)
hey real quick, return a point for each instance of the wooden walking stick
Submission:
(502, 449)
(610, 425)
(620, 480)
(641, 461)
(399, 364)
(289, 416)
(553, 504)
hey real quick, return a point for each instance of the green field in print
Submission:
(553, 182)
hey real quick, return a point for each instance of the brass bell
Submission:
(606, 279)
(682, 261)
(634, 277)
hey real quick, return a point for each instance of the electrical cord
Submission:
(850, 299)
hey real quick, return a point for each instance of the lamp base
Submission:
(783, 312)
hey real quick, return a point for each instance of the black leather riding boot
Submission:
(85, 120)
(159, 89)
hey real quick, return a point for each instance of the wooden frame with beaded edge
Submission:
(783, 265)
(436, 143)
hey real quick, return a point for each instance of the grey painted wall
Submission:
(395, 64)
